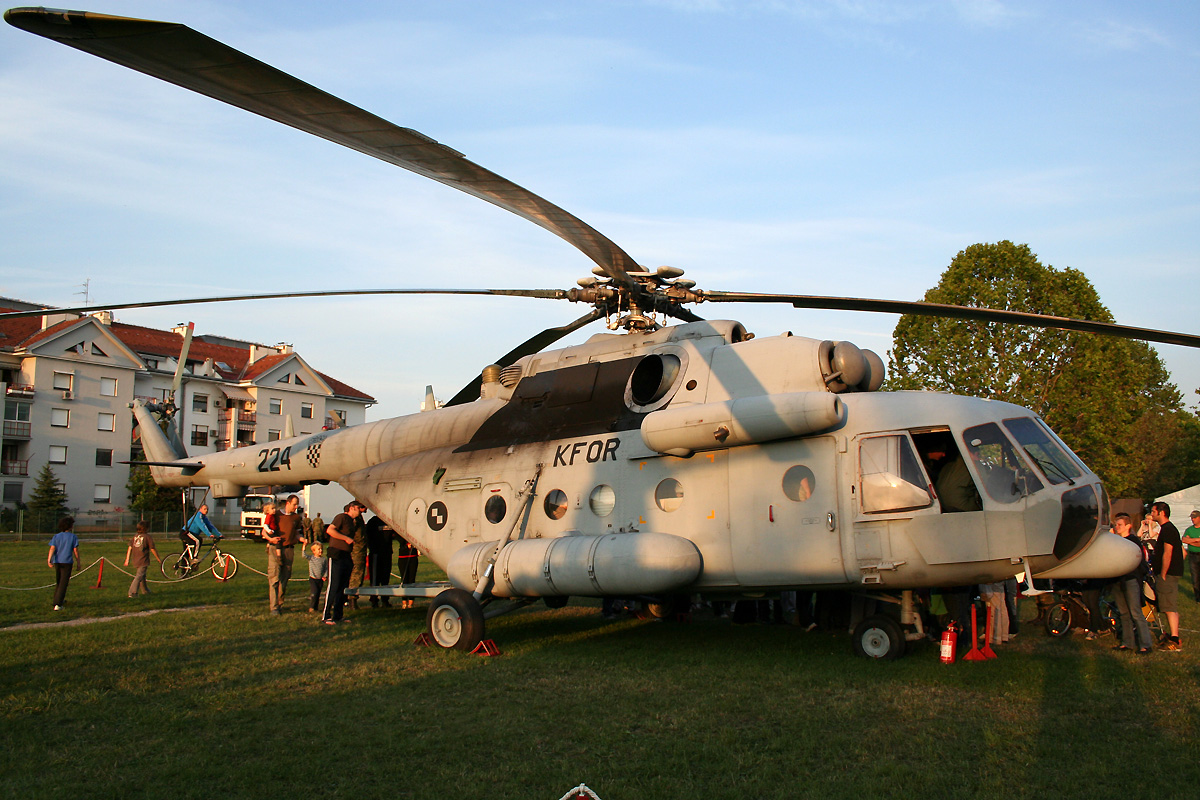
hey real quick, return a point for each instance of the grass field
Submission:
(221, 699)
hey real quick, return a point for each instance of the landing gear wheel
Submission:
(1058, 619)
(556, 601)
(667, 607)
(455, 620)
(879, 637)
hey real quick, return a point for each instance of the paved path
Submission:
(29, 626)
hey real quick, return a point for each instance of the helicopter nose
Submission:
(1107, 556)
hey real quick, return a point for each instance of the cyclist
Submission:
(195, 530)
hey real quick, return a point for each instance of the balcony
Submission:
(16, 430)
(245, 419)
(17, 390)
(12, 466)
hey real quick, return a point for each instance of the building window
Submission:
(12, 492)
(103, 493)
(58, 454)
(151, 363)
(200, 402)
(108, 387)
(64, 380)
(200, 435)
(17, 412)
(104, 458)
(276, 406)
(306, 410)
(60, 417)
(273, 435)
(106, 422)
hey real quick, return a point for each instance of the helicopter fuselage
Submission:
(696, 458)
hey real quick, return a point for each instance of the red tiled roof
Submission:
(345, 390)
(24, 331)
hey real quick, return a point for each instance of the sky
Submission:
(842, 147)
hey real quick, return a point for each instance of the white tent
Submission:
(1183, 502)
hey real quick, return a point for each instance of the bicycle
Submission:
(178, 566)
(1070, 612)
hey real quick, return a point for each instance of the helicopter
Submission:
(670, 456)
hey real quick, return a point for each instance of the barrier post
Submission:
(100, 576)
(974, 654)
(987, 650)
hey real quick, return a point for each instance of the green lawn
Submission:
(225, 700)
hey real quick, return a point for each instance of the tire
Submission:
(879, 637)
(1112, 617)
(667, 607)
(225, 567)
(175, 567)
(1058, 619)
(556, 601)
(455, 620)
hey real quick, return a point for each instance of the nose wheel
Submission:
(455, 620)
(879, 637)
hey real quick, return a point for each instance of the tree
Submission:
(47, 502)
(1110, 399)
(147, 497)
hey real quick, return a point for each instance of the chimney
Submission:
(104, 317)
(283, 348)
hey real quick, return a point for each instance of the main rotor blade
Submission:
(534, 344)
(179, 55)
(545, 294)
(921, 308)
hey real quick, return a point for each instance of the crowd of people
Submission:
(338, 555)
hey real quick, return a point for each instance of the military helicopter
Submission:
(663, 460)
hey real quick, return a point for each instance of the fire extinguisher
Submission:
(949, 642)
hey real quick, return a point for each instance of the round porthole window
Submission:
(603, 500)
(495, 508)
(668, 495)
(799, 483)
(555, 504)
(653, 382)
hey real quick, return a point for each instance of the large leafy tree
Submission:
(147, 497)
(1110, 399)
(47, 502)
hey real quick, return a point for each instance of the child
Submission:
(318, 571)
(140, 547)
(63, 558)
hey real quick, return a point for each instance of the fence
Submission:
(27, 527)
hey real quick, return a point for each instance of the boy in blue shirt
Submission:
(64, 558)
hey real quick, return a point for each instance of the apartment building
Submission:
(68, 380)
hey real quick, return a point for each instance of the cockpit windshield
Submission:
(1039, 443)
(1005, 475)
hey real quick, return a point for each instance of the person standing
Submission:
(1191, 540)
(141, 546)
(318, 573)
(1127, 591)
(407, 561)
(63, 558)
(341, 540)
(281, 549)
(358, 556)
(379, 547)
(1168, 567)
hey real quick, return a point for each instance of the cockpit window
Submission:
(1006, 478)
(892, 479)
(1043, 447)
